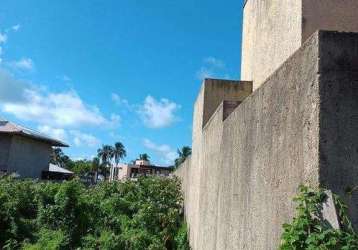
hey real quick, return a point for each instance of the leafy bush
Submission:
(181, 239)
(143, 214)
(309, 231)
(48, 239)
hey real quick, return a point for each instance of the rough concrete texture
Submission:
(217, 90)
(271, 33)
(5, 142)
(329, 211)
(339, 115)
(212, 93)
(28, 157)
(338, 15)
(274, 29)
(299, 127)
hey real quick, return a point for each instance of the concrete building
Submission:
(23, 151)
(251, 150)
(137, 169)
(274, 29)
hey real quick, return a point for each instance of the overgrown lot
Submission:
(145, 214)
(308, 229)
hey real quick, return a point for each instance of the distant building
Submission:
(137, 169)
(24, 152)
(57, 173)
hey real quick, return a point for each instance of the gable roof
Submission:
(7, 127)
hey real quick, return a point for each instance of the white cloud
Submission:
(58, 109)
(1, 50)
(11, 89)
(83, 139)
(204, 73)
(55, 109)
(212, 68)
(56, 133)
(23, 64)
(167, 154)
(214, 62)
(77, 137)
(16, 27)
(3, 38)
(158, 114)
(115, 120)
(66, 78)
(119, 100)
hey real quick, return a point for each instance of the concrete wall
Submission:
(217, 90)
(28, 157)
(212, 93)
(299, 127)
(274, 29)
(339, 116)
(271, 33)
(338, 15)
(5, 142)
(123, 172)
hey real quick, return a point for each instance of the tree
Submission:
(184, 153)
(95, 167)
(119, 152)
(59, 158)
(56, 156)
(81, 167)
(105, 154)
(132, 215)
(144, 157)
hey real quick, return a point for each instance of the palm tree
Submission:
(59, 158)
(144, 157)
(56, 156)
(95, 167)
(105, 154)
(184, 153)
(119, 152)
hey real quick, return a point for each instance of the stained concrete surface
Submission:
(299, 127)
(274, 29)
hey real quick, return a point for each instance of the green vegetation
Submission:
(106, 156)
(183, 153)
(309, 231)
(144, 157)
(143, 214)
(90, 169)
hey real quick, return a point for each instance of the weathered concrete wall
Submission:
(212, 93)
(28, 157)
(338, 15)
(217, 90)
(339, 116)
(299, 127)
(271, 33)
(5, 142)
(274, 29)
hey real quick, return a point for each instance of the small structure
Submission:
(25, 152)
(56, 173)
(138, 169)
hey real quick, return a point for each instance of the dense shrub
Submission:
(143, 214)
(309, 231)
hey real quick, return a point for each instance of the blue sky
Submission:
(93, 72)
